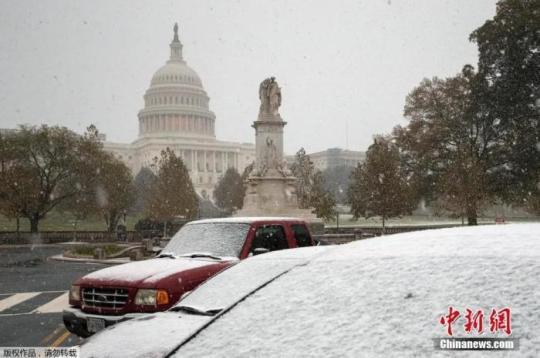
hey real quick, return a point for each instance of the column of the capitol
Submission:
(271, 187)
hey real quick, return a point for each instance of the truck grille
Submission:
(105, 297)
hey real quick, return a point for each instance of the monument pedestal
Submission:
(276, 196)
(272, 196)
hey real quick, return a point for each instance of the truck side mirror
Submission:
(260, 250)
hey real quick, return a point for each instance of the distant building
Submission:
(176, 115)
(5, 131)
(333, 157)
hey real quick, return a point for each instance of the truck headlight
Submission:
(75, 293)
(149, 297)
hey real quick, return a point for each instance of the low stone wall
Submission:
(333, 236)
(52, 237)
(374, 230)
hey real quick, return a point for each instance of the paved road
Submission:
(33, 293)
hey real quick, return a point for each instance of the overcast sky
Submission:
(340, 64)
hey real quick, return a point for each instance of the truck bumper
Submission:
(76, 320)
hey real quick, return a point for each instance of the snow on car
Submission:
(377, 297)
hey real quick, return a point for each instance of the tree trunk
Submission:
(383, 225)
(472, 215)
(34, 222)
(112, 222)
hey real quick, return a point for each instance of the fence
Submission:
(343, 235)
(51, 237)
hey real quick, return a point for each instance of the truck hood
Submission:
(148, 336)
(148, 271)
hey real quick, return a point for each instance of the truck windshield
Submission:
(217, 239)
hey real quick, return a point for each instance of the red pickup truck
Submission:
(197, 251)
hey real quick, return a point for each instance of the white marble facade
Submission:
(176, 115)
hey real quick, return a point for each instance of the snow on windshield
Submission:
(349, 304)
(218, 239)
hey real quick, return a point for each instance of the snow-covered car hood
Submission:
(384, 297)
(149, 336)
(148, 271)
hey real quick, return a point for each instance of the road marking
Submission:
(50, 336)
(14, 314)
(14, 293)
(56, 305)
(16, 299)
(61, 339)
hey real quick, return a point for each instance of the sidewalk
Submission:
(16, 246)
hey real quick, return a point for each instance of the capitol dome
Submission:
(176, 103)
(176, 73)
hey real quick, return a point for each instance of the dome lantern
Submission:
(176, 47)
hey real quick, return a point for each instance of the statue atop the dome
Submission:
(270, 96)
(175, 28)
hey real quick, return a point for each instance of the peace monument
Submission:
(271, 186)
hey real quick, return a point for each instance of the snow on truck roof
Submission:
(245, 220)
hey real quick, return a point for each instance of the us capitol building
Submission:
(176, 115)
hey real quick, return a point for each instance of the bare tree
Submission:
(379, 186)
(44, 166)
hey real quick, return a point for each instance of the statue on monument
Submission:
(270, 96)
(271, 154)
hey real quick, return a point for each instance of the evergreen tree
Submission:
(310, 187)
(229, 192)
(172, 194)
(142, 183)
(321, 199)
(303, 169)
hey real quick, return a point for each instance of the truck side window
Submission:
(301, 235)
(271, 237)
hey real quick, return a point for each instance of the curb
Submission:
(93, 261)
